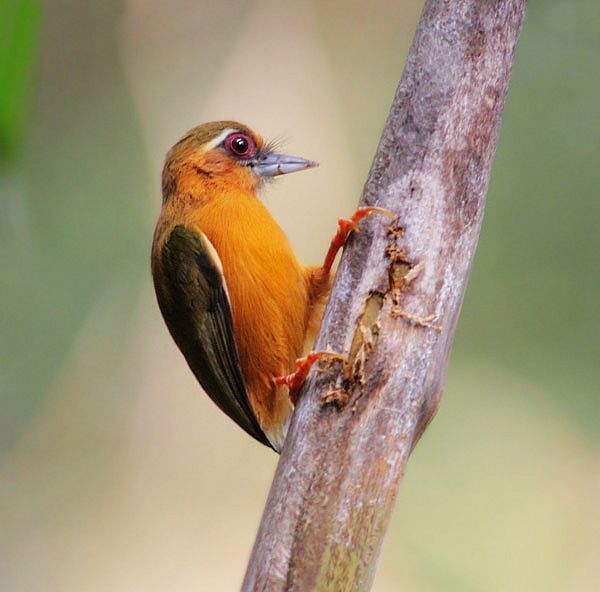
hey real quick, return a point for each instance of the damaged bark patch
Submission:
(402, 272)
(336, 396)
(364, 340)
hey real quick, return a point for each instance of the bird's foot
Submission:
(347, 226)
(295, 380)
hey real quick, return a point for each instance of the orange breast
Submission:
(267, 291)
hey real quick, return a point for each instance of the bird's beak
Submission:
(272, 165)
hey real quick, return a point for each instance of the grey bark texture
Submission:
(394, 306)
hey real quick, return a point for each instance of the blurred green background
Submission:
(116, 473)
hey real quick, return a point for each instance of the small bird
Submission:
(239, 305)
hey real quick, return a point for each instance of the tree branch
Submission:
(394, 306)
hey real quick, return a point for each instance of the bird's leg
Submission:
(295, 380)
(345, 227)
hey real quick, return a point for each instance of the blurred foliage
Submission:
(533, 300)
(77, 229)
(19, 25)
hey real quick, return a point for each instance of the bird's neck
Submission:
(236, 219)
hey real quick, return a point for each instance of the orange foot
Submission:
(295, 380)
(345, 227)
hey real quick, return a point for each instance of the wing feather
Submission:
(193, 299)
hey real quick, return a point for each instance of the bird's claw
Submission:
(363, 212)
(347, 226)
(295, 380)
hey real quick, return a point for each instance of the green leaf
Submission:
(19, 28)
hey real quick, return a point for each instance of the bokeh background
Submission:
(116, 472)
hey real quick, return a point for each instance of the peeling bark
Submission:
(394, 306)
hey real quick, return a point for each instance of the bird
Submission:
(236, 300)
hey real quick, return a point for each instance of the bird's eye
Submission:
(240, 146)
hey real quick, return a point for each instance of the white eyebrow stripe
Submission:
(216, 141)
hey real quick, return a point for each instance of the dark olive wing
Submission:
(193, 300)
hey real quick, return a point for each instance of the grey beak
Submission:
(281, 164)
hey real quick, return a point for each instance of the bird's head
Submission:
(224, 154)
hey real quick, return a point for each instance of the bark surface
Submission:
(394, 306)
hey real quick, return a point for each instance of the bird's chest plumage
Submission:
(267, 292)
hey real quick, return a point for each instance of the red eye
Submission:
(240, 146)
